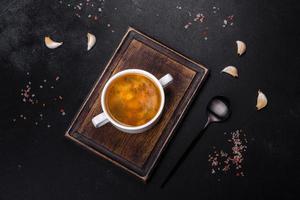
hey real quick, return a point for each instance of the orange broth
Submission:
(132, 99)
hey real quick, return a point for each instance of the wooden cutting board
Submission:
(139, 153)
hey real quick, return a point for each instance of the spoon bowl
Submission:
(218, 109)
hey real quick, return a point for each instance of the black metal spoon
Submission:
(218, 110)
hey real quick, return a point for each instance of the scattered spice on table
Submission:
(27, 95)
(39, 103)
(221, 161)
(62, 111)
(204, 33)
(178, 7)
(229, 20)
(215, 9)
(198, 18)
(187, 25)
(91, 9)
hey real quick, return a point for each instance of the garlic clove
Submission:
(241, 47)
(262, 100)
(91, 41)
(231, 70)
(51, 44)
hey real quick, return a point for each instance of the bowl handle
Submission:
(166, 80)
(100, 120)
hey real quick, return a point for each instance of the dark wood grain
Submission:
(139, 153)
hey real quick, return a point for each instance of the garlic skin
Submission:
(91, 41)
(241, 47)
(262, 100)
(51, 44)
(231, 70)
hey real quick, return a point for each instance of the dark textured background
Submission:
(37, 162)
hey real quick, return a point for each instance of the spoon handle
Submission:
(184, 155)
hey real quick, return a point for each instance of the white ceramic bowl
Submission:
(104, 117)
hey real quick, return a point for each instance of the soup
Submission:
(132, 99)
